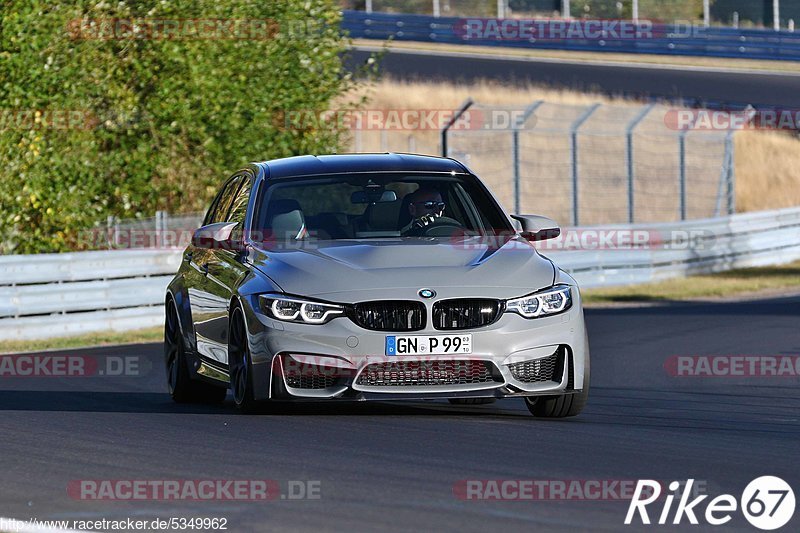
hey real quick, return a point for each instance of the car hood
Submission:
(356, 270)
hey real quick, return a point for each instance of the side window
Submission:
(239, 204)
(223, 202)
(211, 210)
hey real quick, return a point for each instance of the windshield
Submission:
(366, 206)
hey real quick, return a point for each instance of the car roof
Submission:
(308, 165)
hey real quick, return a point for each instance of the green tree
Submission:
(91, 127)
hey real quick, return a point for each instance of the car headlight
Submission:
(291, 309)
(552, 301)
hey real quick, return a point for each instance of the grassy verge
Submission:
(593, 57)
(741, 282)
(91, 339)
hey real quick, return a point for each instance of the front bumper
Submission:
(342, 361)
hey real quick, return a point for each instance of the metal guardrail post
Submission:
(574, 153)
(515, 140)
(629, 153)
(461, 110)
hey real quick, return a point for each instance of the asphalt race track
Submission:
(393, 467)
(712, 86)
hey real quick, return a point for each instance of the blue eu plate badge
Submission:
(391, 345)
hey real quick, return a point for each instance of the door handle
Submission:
(204, 269)
(187, 256)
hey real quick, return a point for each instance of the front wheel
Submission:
(241, 366)
(562, 405)
(182, 388)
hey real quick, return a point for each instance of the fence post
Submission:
(574, 153)
(629, 153)
(515, 138)
(731, 165)
(159, 228)
(682, 166)
(682, 177)
(109, 229)
(116, 233)
(501, 9)
(461, 110)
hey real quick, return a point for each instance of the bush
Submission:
(93, 127)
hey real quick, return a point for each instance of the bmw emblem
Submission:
(427, 293)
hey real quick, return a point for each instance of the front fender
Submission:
(180, 295)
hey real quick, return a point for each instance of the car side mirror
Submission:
(537, 227)
(219, 236)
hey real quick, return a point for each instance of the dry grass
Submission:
(750, 282)
(391, 93)
(767, 163)
(112, 338)
(767, 170)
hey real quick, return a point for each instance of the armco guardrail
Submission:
(666, 39)
(663, 251)
(53, 295)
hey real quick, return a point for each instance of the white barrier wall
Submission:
(56, 295)
(53, 295)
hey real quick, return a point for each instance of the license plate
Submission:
(428, 344)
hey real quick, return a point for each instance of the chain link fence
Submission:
(600, 164)
(581, 165)
(160, 231)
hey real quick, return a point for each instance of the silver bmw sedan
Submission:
(372, 277)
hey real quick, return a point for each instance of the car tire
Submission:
(562, 405)
(471, 401)
(182, 388)
(241, 367)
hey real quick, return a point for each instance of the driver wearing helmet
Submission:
(425, 206)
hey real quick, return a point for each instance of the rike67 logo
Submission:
(767, 503)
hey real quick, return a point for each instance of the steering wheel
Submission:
(440, 227)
